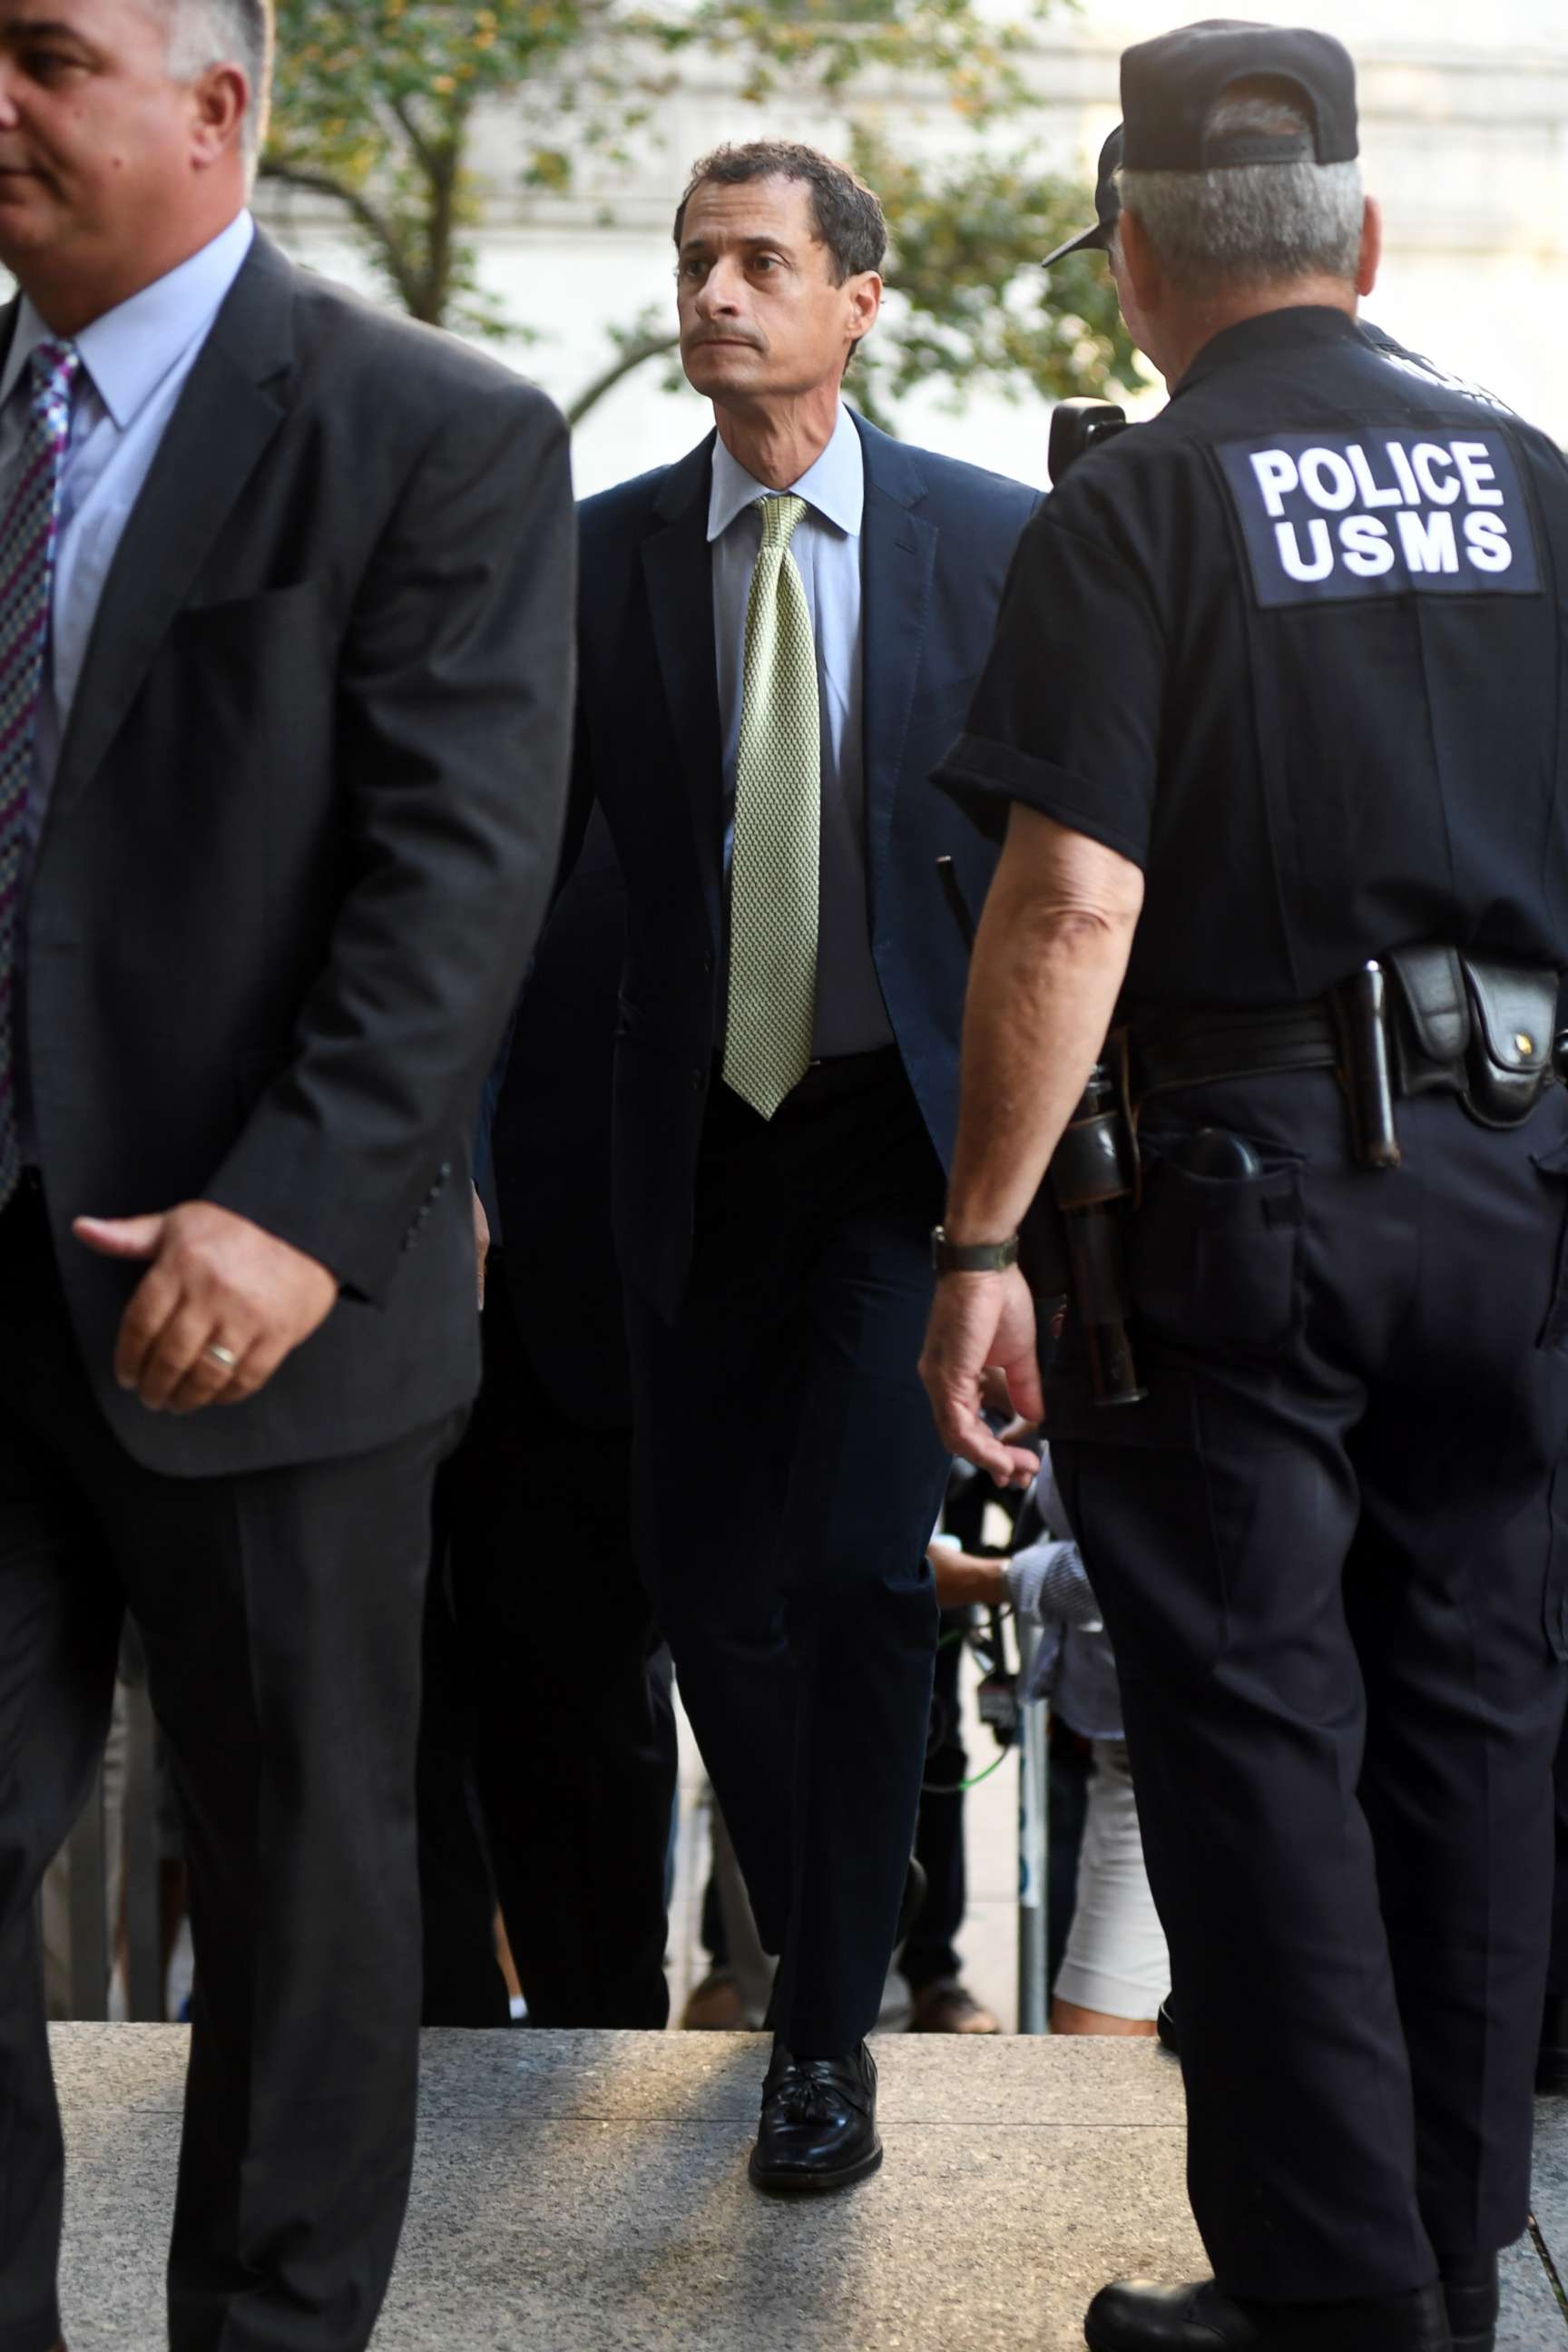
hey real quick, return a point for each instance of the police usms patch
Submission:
(1332, 516)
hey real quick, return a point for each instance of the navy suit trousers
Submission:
(788, 1481)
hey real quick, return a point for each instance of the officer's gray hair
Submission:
(1253, 224)
(203, 33)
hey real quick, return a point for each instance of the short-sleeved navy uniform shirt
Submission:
(1297, 648)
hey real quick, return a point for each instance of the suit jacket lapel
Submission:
(900, 555)
(678, 570)
(225, 418)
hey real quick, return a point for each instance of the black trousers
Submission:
(544, 1701)
(931, 1949)
(788, 1481)
(1557, 1972)
(463, 1985)
(1326, 1554)
(280, 1614)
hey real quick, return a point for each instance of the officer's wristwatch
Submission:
(972, 1257)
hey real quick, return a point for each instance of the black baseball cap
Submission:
(1107, 204)
(1170, 85)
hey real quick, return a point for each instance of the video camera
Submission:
(1079, 425)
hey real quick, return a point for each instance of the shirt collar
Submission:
(130, 350)
(1299, 327)
(834, 488)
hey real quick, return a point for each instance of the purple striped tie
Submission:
(28, 535)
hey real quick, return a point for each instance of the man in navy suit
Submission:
(778, 639)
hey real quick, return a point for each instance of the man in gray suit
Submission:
(285, 599)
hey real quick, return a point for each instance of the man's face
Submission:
(760, 314)
(95, 136)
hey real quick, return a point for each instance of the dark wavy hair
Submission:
(845, 214)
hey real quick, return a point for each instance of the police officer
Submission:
(1275, 725)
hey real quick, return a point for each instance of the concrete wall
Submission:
(1465, 137)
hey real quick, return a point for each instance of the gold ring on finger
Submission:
(223, 1356)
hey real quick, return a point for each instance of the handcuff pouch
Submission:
(1466, 1025)
(1509, 1061)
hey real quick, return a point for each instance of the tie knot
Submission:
(779, 516)
(55, 368)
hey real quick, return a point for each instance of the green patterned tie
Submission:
(778, 823)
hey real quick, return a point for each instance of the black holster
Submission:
(1077, 1240)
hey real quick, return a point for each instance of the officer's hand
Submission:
(980, 1320)
(215, 1282)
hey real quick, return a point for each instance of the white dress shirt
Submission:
(134, 363)
(851, 1017)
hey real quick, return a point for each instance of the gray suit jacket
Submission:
(301, 836)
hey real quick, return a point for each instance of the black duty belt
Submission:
(1423, 1020)
(1200, 1048)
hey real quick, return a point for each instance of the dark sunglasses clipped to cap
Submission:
(1107, 204)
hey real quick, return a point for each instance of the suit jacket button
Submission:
(697, 1082)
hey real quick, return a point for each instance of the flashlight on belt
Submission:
(1366, 1024)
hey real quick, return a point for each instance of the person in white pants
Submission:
(1115, 1972)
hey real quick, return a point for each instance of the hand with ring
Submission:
(223, 1302)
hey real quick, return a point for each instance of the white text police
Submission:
(1328, 516)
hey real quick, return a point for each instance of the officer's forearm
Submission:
(1048, 966)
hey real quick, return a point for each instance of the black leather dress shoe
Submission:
(1166, 2026)
(1473, 2298)
(1551, 2067)
(1136, 2316)
(818, 2129)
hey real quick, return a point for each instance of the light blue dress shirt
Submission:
(851, 1017)
(134, 363)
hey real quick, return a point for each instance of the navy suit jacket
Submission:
(937, 540)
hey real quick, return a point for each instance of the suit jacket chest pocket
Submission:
(944, 701)
(937, 717)
(255, 675)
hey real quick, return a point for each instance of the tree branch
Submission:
(373, 220)
(632, 355)
(425, 154)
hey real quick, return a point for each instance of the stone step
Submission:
(586, 2192)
